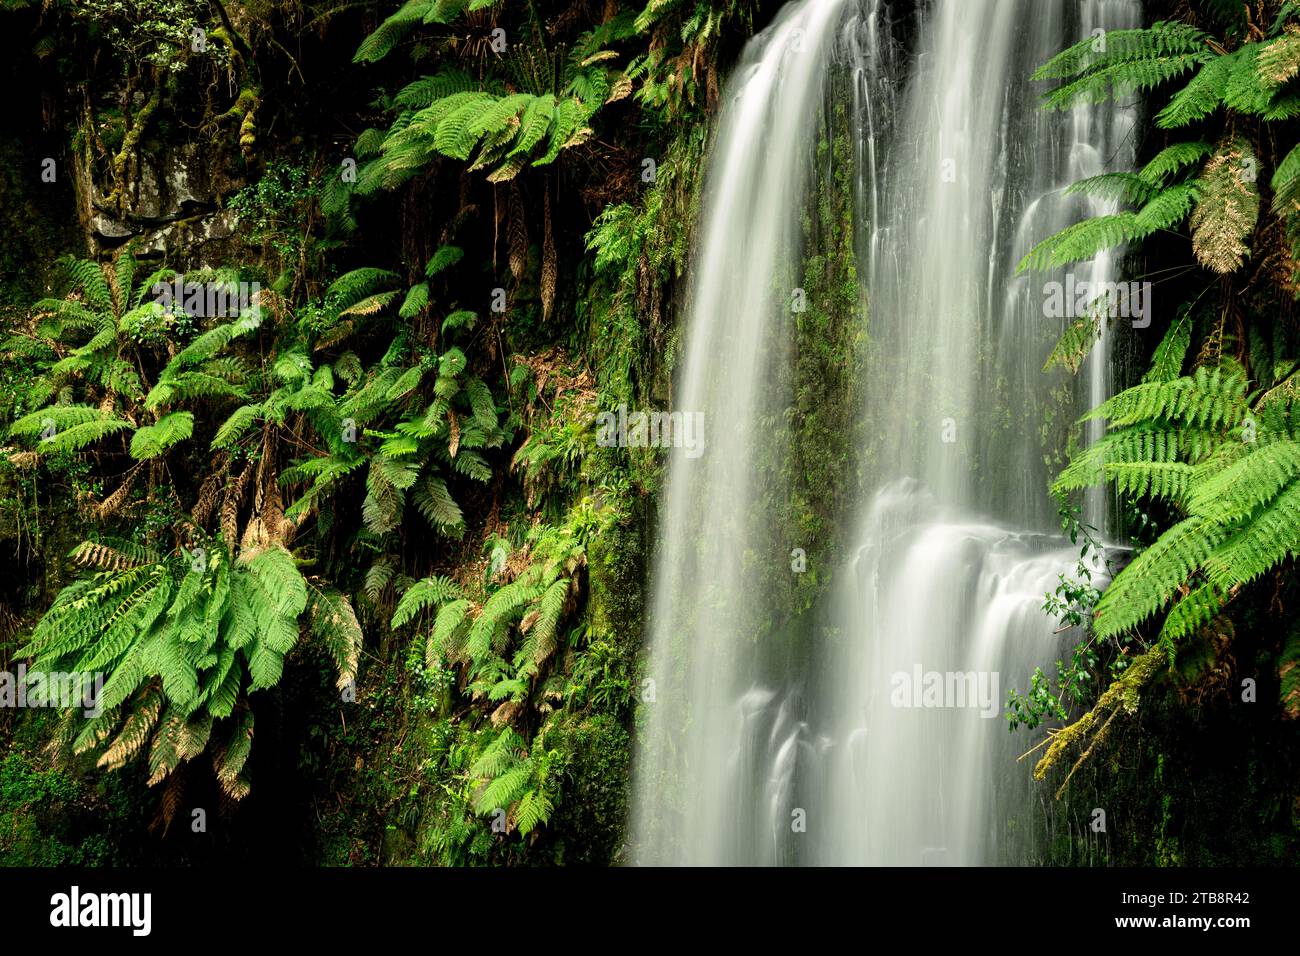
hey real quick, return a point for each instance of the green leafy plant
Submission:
(543, 105)
(1211, 186)
(1207, 441)
(183, 639)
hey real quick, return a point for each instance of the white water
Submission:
(959, 173)
(688, 772)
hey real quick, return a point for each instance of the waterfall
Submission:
(880, 737)
(690, 770)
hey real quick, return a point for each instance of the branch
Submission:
(1122, 695)
(129, 142)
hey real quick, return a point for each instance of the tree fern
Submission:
(1181, 439)
(185, 638)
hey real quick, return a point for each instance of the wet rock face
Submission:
(170, 209)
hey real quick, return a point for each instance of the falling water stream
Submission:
(756, 754)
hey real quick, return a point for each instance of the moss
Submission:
(587, 827)
(1195, 777)
(57, 816)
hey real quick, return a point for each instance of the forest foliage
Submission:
(1203, 450)
(391, 438)
(373, 490)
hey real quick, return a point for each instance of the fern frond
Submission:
(417, 298)
(1189, 615)
(378, 578)
(1236, 492)
(1121, 79)
(208, 345)
(140, 723)
(151, 441)
(55, 417)
(189, 385)
(501, 792)
(229, 760)
(1200, 97)
(542, 635)
(1288, 672)
(438, 507)
(1279, 61)
(234, 427)
(1166, 210)
(334, 624)
(1080, 242)
(1286, 183)
(422, 594)
(456, 134)
(533, 811)
(164, 754)
(352, 287)
(79, 436)
(448, 632)
(534, 124)
(443, 259)
(1119, 187)
(1172, 160)
(393, 31)
(1227, 208)
(1072, 349)
(1270, 537)
(1210, 398)
(89, 279)
(1146, 585)
(1161, 39)
(1171, 353)
(499, 755)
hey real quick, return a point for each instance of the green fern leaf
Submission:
(152, 440)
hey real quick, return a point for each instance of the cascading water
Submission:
(689, 769)
(877, 745)
(947, 589)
